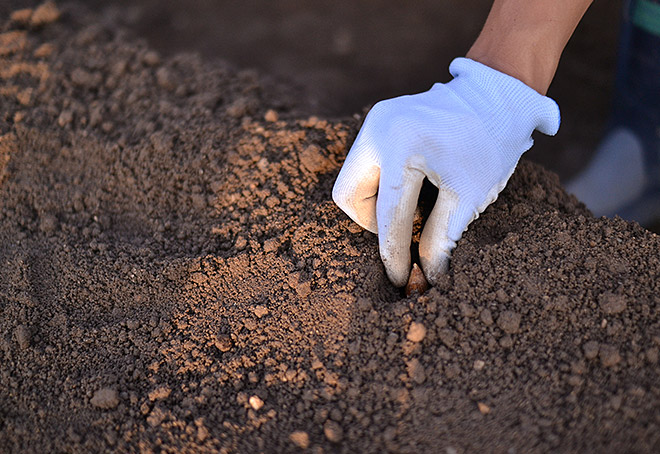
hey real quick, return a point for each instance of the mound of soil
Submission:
(347, 54)
(176, 278)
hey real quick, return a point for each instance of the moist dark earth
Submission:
(174, 277)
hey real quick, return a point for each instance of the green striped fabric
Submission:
(646, 15)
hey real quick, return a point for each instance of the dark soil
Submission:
(347, 54)
(174, 277)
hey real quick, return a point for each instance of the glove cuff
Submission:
(515, 109)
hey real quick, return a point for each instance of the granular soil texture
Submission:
(175, 278)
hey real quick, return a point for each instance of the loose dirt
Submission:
(175, 278)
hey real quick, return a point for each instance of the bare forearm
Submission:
(525, 38)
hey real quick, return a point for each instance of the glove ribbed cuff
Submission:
(512, 109)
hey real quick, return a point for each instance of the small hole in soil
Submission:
(425, 203)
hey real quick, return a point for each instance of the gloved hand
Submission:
(465, 136)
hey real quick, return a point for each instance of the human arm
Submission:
(465, 136)
(525, 38)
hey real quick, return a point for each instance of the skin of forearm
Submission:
(525, 38)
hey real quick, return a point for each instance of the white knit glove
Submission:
(465, 136)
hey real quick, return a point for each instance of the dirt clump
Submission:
(175, 278)
(105, 398)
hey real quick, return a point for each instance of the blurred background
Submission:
(345, 55)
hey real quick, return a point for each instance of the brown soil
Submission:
(347, 54)
(176, 278)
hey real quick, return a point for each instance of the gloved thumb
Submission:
(356, 189)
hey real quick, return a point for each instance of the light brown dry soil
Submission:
(174, 277)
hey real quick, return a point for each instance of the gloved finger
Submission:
(396, 205)
(356, 188)
(442, 230)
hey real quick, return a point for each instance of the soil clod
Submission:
(105, 398)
